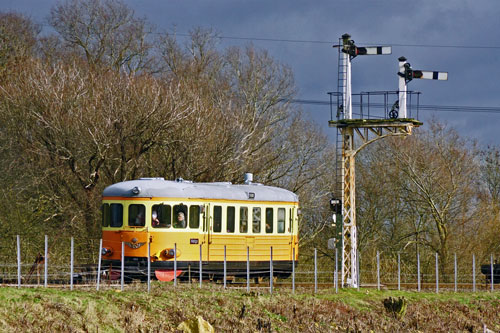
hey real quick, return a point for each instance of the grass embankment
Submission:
(134, 310)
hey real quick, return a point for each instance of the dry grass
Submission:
(134, 310)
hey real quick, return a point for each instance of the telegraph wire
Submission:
(309, 41)
(306, 41)
(437, 108)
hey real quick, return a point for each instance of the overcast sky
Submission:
(472, 27)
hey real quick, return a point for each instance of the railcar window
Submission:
(269, 220)
(256, 220)
(281, 220)
(217, 218)
(106, 215)
(243, 219)
(230, 219)
(194, 217)
(180, 216)
(136, 215)
(116, 215)
(163, 215)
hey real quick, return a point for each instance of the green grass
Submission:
(39, 309)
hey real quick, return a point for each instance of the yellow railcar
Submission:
(185, 218)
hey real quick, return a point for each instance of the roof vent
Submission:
(179, 180)
(248, 178)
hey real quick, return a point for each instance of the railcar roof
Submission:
(158, 187)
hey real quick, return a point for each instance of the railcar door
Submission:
(291, 225)
(206, 231)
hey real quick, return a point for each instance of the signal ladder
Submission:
(341, 83)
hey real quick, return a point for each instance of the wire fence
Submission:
(423, 273)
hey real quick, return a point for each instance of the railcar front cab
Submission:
(136, 223)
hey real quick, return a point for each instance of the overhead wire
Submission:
(306, 41)
(309, 41)
(437, 108)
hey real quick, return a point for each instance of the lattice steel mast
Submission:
(355, 134)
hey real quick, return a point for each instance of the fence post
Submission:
(225, 267)
(456, 273)
(175, 264)
(491, 271)
(122, 273)
(149, 266)
(248, 269)
(357, 268)
(201, 267)
(418, 271)
(399, 271)
(378, 271)
(293, 270)
(271, 273)
(71, 264)
(46, 260)
(18, 261)
(99, 266)
(473, 272)
(336, 271)
(315, 270)
(437, 274)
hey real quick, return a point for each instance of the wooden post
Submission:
(358, 258)
(271, 272)
(336, 270)
(418, 271)
(437, 274)
(71, 265)
(99, 266)
(456, 273)
(201, 267)
(315, 271)
(149, 266)
(225, 266)
(399, 271)
(46, 262)
(248, 269)
(473, 272)
(18, 261)
(122, 275)
(378, 271)
(491, 271)
(293, 270)
(175, 264)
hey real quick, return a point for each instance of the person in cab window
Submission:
(181, 220)
(154, 219)
(139, 219)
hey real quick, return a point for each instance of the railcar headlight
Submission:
(170, 253)
(106, 251)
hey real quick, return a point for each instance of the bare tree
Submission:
(80, 130)
(426, 194)
(106, 32)
(490, 173)
(18, 37)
